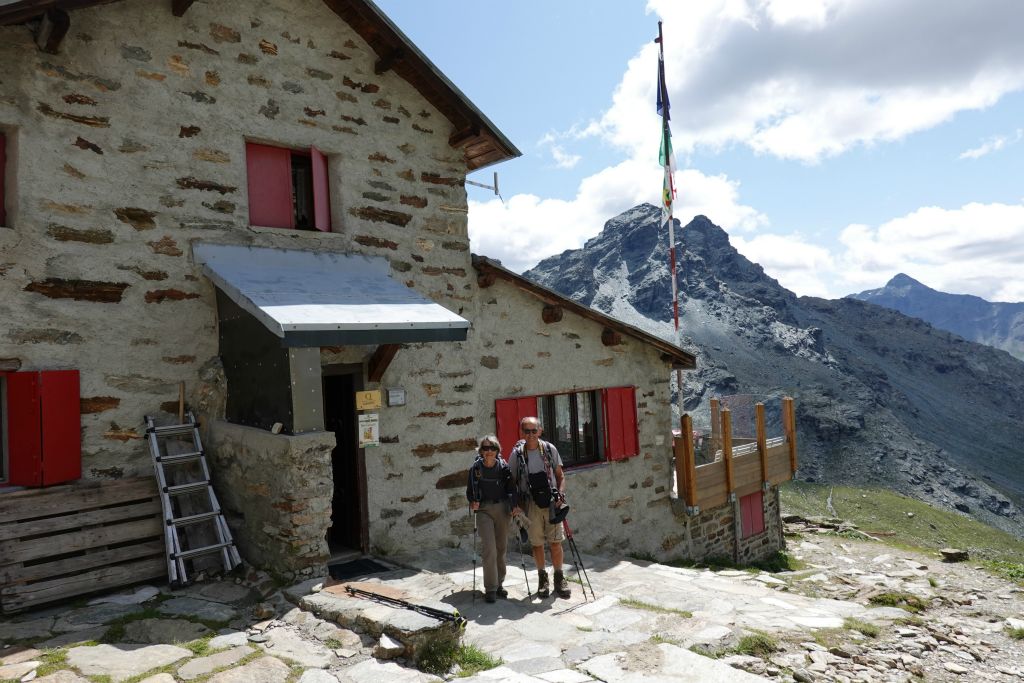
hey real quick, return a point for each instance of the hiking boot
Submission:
(561, 586)
(490, 596)
(502, 593)
(543, 588)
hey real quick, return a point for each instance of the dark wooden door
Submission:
(348, 528)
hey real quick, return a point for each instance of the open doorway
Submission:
(349, 528)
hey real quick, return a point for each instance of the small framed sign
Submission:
(368, 400)
(369, 430)
(396, 396)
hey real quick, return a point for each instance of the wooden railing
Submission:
(737, 470)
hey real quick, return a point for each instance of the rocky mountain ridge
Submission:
(996, 324)
(882, 399)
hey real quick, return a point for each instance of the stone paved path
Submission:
(641, 627)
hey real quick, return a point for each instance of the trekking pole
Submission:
(473, 512)
(522, 556)
(578, 561)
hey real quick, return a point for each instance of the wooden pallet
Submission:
(65, 541)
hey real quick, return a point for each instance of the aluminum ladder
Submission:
(173, 523)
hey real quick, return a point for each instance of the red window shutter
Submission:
(270, 186)
(24, 455)
(321, 191)
(621, 438)
(61, 426)
(507, 413)
(3, 165)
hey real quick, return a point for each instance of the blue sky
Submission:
(837, 141)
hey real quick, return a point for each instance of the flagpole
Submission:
(669, 191)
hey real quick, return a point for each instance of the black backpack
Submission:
(538, 483)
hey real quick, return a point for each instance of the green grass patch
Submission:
(906, 601)
(437, 655)
(657, 639)
(200, 647)
(756, 645)
(909, 621)
(1011, 571)
(829, 637)
(472, 660)
(585, 629)
(642, 556)
(333, 644)
(864, 627)
(639, 604)
(52, 660)
(880, 511)
(781, 561)
(1015, 633)
(933, 582)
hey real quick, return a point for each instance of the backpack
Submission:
(538, 484)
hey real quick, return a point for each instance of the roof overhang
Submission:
(488, 270)
(326, 299)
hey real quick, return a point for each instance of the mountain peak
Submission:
(903, 280)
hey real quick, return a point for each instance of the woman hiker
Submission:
(492, 497)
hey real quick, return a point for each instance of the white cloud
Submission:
(562, 158)
(975, 249)
(808, 79)
(993, 144)
(528, 228)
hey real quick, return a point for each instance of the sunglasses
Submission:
(530, 431)
(489, 448)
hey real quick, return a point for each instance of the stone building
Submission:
(266, 203)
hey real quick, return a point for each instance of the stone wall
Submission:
(129, 145)
(716, 533)
(276, 493)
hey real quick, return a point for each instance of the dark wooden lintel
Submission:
(380, 360)
(387, 61)
(552, 313)
(485, 279)
(610, 337)
(179, 7)
(10, 364)
(52, 28)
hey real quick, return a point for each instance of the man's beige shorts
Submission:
(542, 531)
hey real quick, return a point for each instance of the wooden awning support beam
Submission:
(551, 313)
(387, 61)
(464, 136)
(179, 7)
(485, 279)
(53, 27)
(380, 360)
(610, 337)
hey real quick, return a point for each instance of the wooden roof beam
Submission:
(466, 136)
(179, 7)
(52, 28)
(388, 60)
(380, 360)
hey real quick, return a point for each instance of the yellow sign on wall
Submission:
(368, 400)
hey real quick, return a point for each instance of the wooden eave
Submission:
(491, 270)
(481, 142)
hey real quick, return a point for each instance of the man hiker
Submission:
(537, 470)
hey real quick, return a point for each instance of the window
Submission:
(288, 188)
(41, 433)
(585, 426)
(752, 514)
(570, 422)
(3, 165)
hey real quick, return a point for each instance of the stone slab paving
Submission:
(124, 660)
(286, 643)
(199, 609)
(262, 670)
(62, 677)
(201, 666)
(94, 615)
(163, 631)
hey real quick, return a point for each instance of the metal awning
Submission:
(312, 298)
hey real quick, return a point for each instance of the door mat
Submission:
(352, 569)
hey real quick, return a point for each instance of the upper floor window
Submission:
(585, 426)
(3, 178)
(288, 188)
